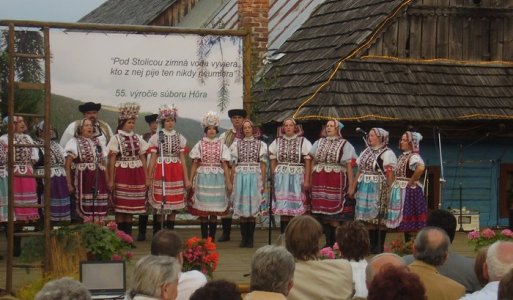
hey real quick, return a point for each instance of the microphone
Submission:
(359, 130)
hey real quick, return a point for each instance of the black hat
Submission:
(151, 118)
(89, 106)
(237, 112)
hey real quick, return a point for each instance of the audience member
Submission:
(63, 289)
(272, 271)
(499, 261)
(167, 242)
(396, 283)
(479, 266)
(456, 267)
(353, 242)
(217, 290)
(430, 250)
(314, 278)
(506, 287)
(155, 277)
(378, 262)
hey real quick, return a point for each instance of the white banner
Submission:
(196, 73)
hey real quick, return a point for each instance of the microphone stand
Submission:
(96, 175)
(382, 173)
(163, 181)
(442, 179)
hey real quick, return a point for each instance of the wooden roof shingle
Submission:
(129, 12)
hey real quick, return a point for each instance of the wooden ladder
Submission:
(14, 85)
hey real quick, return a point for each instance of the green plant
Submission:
(99, 241)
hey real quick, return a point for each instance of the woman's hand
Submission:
(187, 184)
(71, 188)
(110, 185)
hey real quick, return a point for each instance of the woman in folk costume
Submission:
(59, 193)
(407, 209)
(24, 187)
(249, 160)
(127, 168)
(372, 183)
(167, 155)
(291, 166)
(4, 208)
(210, 177)
(331, 177)
(85, 156)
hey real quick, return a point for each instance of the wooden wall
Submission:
(175, 13)
(453, 29)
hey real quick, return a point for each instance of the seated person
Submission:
(217, 289)
(314, 278)
(396, 283)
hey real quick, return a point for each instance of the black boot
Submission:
(382, 234)
(169, 225)
(227, 228)
(204, 230)
(243, 234)
(283, 226)
(143, 223)
(16, 246)
(157, 226)
(212, 228)
(128, 228)
(250, 232)
(373, 239)
(328, 233)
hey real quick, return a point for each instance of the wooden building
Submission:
(444, 67)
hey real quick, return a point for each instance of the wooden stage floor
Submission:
(234, 264)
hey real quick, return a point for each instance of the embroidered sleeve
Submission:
(272, 150)
(305, 149)
(415, 160)
(195, 152)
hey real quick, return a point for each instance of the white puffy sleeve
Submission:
(313, 149)
(225, 153)
(389, 158)
(113, 145)
(305, 149)
(35, 151)
(263, 152)
(415, 160)
(273, 151)
(71, 148)
(348, 153)
(183, 142)
(144, 144)
(196, 151)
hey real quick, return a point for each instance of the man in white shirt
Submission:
(499, 261)
(167, 242)
(101, 129)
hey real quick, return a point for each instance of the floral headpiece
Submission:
(167, 112)
(414, 138)
(210, 119)
(129, 110)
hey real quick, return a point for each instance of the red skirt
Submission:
(129, 195)
(328, 192)
(174, 187)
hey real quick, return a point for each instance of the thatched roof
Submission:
(130, 12)
(322, 75)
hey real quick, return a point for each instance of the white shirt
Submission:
(489, 291)
(188, 283)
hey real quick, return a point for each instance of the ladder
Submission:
(14, 85)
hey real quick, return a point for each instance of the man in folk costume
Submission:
(127, 168)
(237, 116)
(143, 219)
(90, 111)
